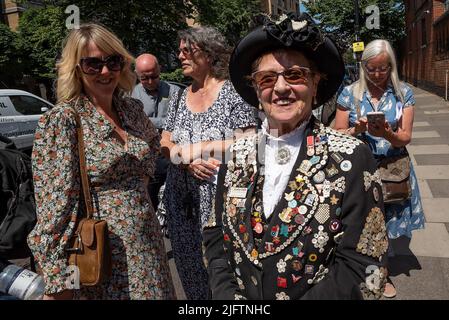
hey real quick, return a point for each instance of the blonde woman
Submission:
(121, 146)
(380, 90)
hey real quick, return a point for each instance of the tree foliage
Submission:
(143, 26)
(8, 48)
(338, 17)
(176, 76)
(40, 36)
(231, 17)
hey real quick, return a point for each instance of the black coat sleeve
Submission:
(355, 273)
(222, 281)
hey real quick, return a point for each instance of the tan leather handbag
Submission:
(89, 247)
(395, 176)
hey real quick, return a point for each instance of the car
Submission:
(19, 114)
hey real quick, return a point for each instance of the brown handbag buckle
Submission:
(78, 243)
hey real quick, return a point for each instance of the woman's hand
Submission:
(202, 169)
(360, 125)
(379, 129)
(63, 295)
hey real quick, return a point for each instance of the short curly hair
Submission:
(213, 44)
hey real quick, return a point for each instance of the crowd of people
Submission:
(261, 200)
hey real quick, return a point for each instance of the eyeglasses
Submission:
(187, 52)
(94, 65)
(381, 70)
(294, 76)
(148, 77)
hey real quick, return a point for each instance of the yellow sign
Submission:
(358, 46)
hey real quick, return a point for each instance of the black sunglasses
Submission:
(93, 65)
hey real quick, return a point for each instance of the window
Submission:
(28, 105)
(442, 41)
(446, 4)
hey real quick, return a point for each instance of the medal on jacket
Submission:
(283, 155)
(310, 146)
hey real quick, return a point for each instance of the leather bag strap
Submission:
(82, 164)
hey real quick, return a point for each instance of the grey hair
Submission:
(373, 49)
(213, 44)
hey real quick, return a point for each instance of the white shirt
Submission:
(277, 175)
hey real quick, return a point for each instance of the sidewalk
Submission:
(421, 268)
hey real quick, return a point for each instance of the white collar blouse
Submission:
(276, 174)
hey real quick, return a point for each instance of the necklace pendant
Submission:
(283, 155)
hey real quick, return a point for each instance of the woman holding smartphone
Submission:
(378, 109)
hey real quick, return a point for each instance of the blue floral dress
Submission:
(402, 219)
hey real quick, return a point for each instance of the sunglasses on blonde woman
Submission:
(94, 65)
(293, 76)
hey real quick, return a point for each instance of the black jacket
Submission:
(336, 250)
(17, 206)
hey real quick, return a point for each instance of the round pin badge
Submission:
(292, 203)
(313, 257)
(319, 177)
(346, 165)
(376, 194)
(258, 228)
(334, 225)
(299, 219)
(302, 209)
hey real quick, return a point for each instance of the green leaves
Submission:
(339, 18)
(7, 47)
(40, 36)
(231, 17)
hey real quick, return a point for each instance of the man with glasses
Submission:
(154, 94)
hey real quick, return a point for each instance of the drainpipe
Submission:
(447, 71)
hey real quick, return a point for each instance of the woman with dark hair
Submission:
(299, 211)
(200, 123)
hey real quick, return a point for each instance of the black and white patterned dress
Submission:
(227, 113)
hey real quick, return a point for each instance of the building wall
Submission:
(426, 56)
(11, 13)
(278, 7)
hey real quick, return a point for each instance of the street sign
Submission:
(358, 46)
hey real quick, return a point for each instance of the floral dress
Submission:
(402, 219)
(227, 113)
(117, 179)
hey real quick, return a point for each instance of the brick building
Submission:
(10, 13)
(425, 54)
(278, 7)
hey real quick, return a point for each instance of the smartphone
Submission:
(375, 118)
